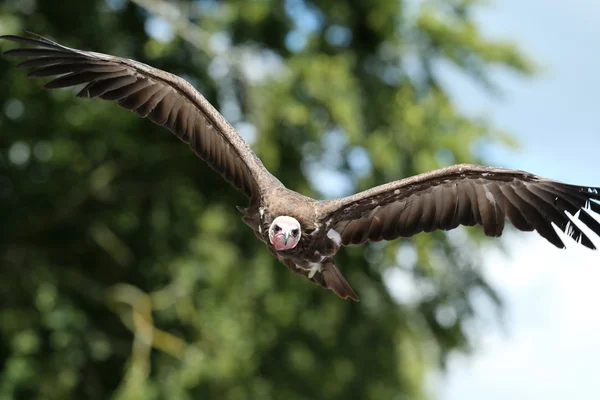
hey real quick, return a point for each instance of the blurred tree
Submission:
(127, 272)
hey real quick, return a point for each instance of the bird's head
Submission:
(284, 233)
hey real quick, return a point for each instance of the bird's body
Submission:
(313, 255)
(304, 233)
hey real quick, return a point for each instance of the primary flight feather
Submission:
(303, 233)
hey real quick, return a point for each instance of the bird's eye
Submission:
(276, 228)
(295, 232)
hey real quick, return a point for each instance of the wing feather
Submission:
(463, 215)
(409, 219)
(446, 204)
(426, 220)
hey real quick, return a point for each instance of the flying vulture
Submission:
(304, 233)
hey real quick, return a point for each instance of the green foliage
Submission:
(127, 272)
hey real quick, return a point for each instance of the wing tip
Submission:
(33, 39)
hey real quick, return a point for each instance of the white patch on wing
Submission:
(489, 195)
(335, 236)
(259, 229)
(313, 268)
(261, 212)
(397, 192)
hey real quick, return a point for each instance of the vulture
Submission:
(303, 233)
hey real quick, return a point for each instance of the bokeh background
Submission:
(128, 274)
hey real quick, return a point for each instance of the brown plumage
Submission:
(307, 242)
(467, 195)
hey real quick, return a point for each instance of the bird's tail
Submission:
(336, 282)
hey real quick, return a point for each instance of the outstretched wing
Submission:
(164, 98)
(465, 195)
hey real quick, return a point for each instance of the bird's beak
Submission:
(286, 237)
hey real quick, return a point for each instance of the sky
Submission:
(548, 345)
